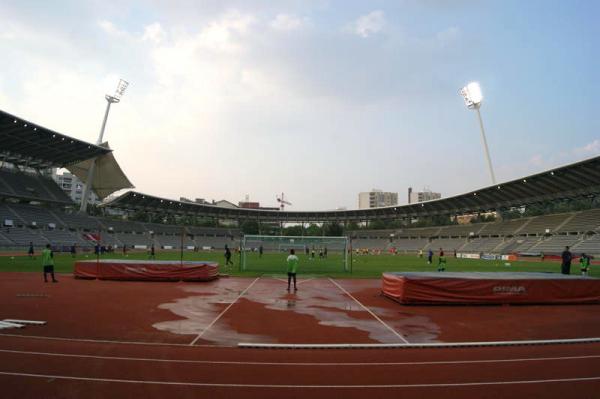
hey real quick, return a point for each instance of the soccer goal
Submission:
(317, 254)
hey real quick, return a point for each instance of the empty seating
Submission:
(503, 228)
(421, 232)
(555, 244)
(590, 245)
(42, 217)
(482, 244)
(461, 230)
(540, 224)
(583, 222)
(17, 183)
(23, 236)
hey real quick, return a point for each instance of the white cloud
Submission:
(110, 28)
(285, 22)
(7, 35)
(592, 148)
(369, 24)
(154, 33)
(223, 34)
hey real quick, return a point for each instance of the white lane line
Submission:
(302, 364)
(271, 386)
(420, 345)
(106, 341)
(425, 345)
(370, 312)
(223, 312)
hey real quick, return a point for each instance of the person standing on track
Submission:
(48, 263)
(30, 252)
(292, 267)
(566, 261)
(228, 256)
(152, 252)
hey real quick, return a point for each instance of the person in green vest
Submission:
(292, 267)
(584, 262)
(441, 261)
(48, 263)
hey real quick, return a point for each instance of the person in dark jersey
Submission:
(228, 256)
(565, 267)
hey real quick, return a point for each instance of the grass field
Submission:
(363, 266)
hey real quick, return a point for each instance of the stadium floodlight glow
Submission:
(473, 97)
(115, 98)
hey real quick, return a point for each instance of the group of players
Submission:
(441, 258)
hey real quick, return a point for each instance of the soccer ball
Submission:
(292, 240)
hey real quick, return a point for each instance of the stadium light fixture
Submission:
(115, 98)
(473, 97)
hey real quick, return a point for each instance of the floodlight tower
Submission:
(473, 98)
(115, 98)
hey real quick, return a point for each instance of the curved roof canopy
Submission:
(28, 144)
(576, 180)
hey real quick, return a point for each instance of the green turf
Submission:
(362, 266)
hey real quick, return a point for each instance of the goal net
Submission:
(316, 254)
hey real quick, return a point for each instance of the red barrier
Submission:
(155, 270)
(490, 288)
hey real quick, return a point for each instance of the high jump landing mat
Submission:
(146, 270)
(490, 288)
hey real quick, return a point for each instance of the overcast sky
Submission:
(317, 99)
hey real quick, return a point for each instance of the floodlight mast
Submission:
(115, 98)
(473, 98)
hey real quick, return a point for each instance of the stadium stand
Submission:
(555, 244)
(540, 224)
(370, 243)
(589, 245)
(78, 221)
(465, 230)
(14, 183)
(35, 215)
(423, 232)
(27, 196)
(504, 228)
(410, 245)
(582, 222)
(448, 244)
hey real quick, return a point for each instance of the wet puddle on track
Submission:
(318, 298)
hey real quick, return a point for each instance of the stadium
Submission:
(489, 293)
(36, 211)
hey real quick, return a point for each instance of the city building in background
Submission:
(73, 187)
(376, 198)
(422, 196)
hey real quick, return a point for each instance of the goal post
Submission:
(317, 254)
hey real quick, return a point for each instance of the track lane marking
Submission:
(370, 312)
(300, 364)
(108, 341)
(374, 386)
(223, 312)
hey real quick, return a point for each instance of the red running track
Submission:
(67, 360)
